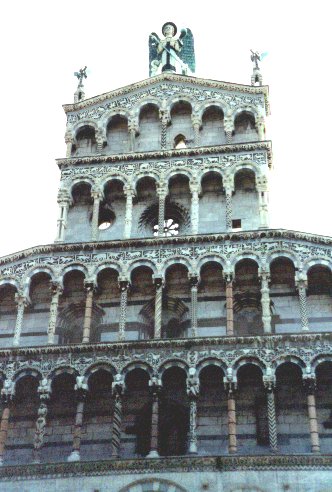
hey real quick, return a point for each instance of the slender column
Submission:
(196, 122)
(100, 138)
(118, 387)
(265, 301)
(81, 389)
(164, 118)
(89, 289)
(97, 197)
(229, 188)
(262, 190)
(64, 202)
(158, 281)
(310, 385)
(193, 304)
(56, 290)
(228, 127)
(194, 188)
(69, 143)
(301, 284)
(269, 383)
(44, 391)
(7, 394)
(260, 127)
(162, 193)
(129, 212)
(193, 392)
(123, 286)
(228, 276)
(133, 131)
(155, 388)
(230, 383)
(21, 301)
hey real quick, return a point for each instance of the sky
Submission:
(43, 43)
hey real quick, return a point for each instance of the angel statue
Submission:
(172, 54)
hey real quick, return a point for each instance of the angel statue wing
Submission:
(154, 58)
(187, 54)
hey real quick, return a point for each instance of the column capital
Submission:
(64, 197)
(128, 191)
(164, 115)
(193, 384)
(301, 280)
(81, 388)
(89, 286)
(264, 274)
(228, 275)
(158, 280)
(230, 381)
(44, 389)
(228, 183)
(56, 288)
(133, 125)
(269, 382)
(309, 382)
(194, 186)
(22, 299)
(97, 194)
(196, 120)
(193, 279)
(228, 123)
(162, 189)
(123, 283)
(118, 385)
(155, 383)
(261, 183)
(8, 391)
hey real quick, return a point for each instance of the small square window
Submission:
(236, 225)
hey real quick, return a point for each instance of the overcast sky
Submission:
(43, 43)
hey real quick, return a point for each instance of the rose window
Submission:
(171, 228)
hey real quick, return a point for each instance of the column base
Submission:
(74, 456)
(192, 449)
(153, 454)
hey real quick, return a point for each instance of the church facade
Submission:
(168, 340)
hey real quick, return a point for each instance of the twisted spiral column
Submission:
(21, 302)
(117, 390)
(229, 128)
(229, 188)
(301, 284)
(164, 118)
(38, 440)
(269, 384)
(123, 286)
(56, 293)
(193, 393)
(161, 192)
(89, 289)
(75, 454)
(158, 307)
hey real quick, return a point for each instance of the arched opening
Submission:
(211, 301)
(145, 207)
(60, 418)
(149, 128)
(245, 204)
(22, 422)
(112, 211)
(174, 414)
(181, 124)
(117, 135)
(319, 298)
(251, 411)
(8, 313)
(180, 142)
(71, 309)
(212, 132)
(324, 405)
(79, 214)
(142, 303)
(107, 299)
(136, 415)
(247, 299)
(176, 302)
(36, 314)
(283, 294)
(292, 418)
(85, 141)
(212, 206)
(97, 417)
(245, 128)
(212, 424)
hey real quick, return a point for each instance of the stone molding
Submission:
(263, 246)
(166, 465)
(165, 154)
(173, 78)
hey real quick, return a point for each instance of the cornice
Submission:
(166, 465)
(178, 240)
(167, 77)
(269, 342)
(165, 154)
